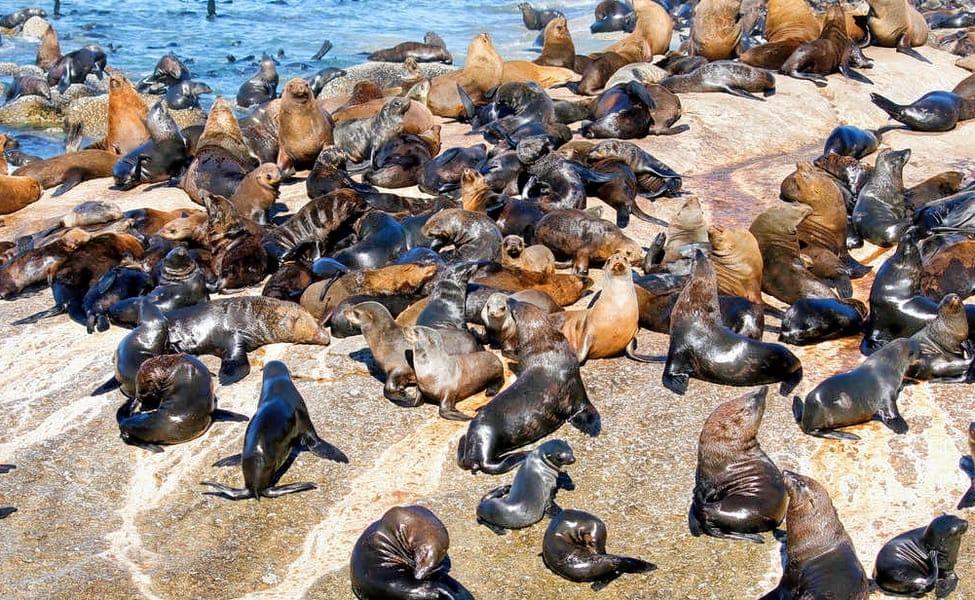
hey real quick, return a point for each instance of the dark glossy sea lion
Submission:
(574, 548)
(880, 214)
(403, 556)
(531, 494)
(738, 490)
(814, 320)
(821, 560)
(537, 19)
(625, 111)
(185, 95)
(922, 560)
(473, 235)
(442, 174)
(74, 67)
(28, 85)
(19, 17)
(118, 284)
(547, 392)
(148, 340)
(934, 111)
(360, 138)
(160, 158)
(381, 239)
(868, 391)
(419, 51)
(849, 140)
(737, 79)
(397, 163)
(169, 70)
(613, 15)
(942, 350)
(654, 177)
(315, 224)
(260, 88)
(181, 283)
(280, 423)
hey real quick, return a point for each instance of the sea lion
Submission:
(258, 192)
(715, 30)
(360, 138)
(821, 559)
(74, 67)
(936, 187)
(185, 95)
(16, 192)
(239, 258)
(574, 548)
(922, 560)
(531, 494)
(733, 78)
(848, 140)
(737, 261)
(397, 163)
(173, 403)
(312, 227)
(481, 72)
(613, 15)
(547, 392)
(127, 114)
(221, 160)
(934, 111)
(403, 556)
(688, 229)
(48, 51)
(880, 214)
(148, 340)
(303, 129)
(118, 284)
(181, 283)
(68, 170)
(280, 423)
(163, 156)
(37, 265)
(968, 464)
(605, 328)
(319, 80)
(738, 490)
(654, 28)
(28, 85)
(169, 70)
(446, 307)
(381, 239)
(600, 69)
(442, 174)
(558, 49)
(585, 238)
(634, 110)
(419, 51)
(535, 19)
(654, 177)
(474, 236)
(388, 344)
(260, 88)
(321, 298)
(537, 258)
(330, 173)
(497, 319)
(19, 17)
(830, 53)
(564, 288)
(950, 269)
(555, 181)
(701, 346)
(788, 24)
(897, 24)
(942, 350)
(814, 320)
(448, 379)
(966, 87)
(868, 391)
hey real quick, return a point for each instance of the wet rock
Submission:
(30, 111)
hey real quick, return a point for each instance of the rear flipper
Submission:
(819, 80)
(323, 449)
(71, 179)
(4, 469)
(227, 492)
(833, 434)
(155, 448)
(670, 130)
(904, 47)
(968, 500)
(632, 354)
(888, 106)
(228, 416)
(234, 366)
(496, 529)
(6, 511)
(233, 460)
(854, 75)
(40, 316)
(447, 411)
(740, 93)
(291, 488)
(945, 586)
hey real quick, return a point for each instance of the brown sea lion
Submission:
(321, 297)
(788, 24)
(737, 261)
(604, 329)
(476, 194)
(737, 79)
(387, 342)
(222, 159)
(600, 69)
(715, 30)
(564, 288)
(257, 192)
(192, 228)
(558, 49)
(127, 114)
(537, 258)
(654, 27)
(897, 24)
(942, 351)
(70, 169)
(39, 264)
(585, 238)
(688, 229)
(235, 241)
(830, 53)
(935, 187)
(49, 51)
(523, 70)
(303, 129)
(482, 72)
(17, 192)
(966, 87)
(950, 269)
(821, 560)
(418, 118)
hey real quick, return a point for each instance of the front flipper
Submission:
(228, 416)
(227, 492)
(234, 366)
(449, 412)
(505, 464)
(6, 511)
(854, 75)
(740, 93)
(291, 488)
(833, 434)
(499, 492)
(233, 460)
(498, 530)
(894, 422)
(587, 420)
(904, 47)
(4, 469)
(155, 448)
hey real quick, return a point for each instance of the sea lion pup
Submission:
(474, 236)
(222, 159)
(601, 68)
(828, 54)
(574, 548)
(848, 140)
(942, 351)
(922, 560)
(239, 258)
(788, 24)
(821, 560)
(968, 465)
(16, 192)
(173, 403)
(181, 283)
(280, 423)
(537, 258)
(784, 275)
(934, 111)
(634, 110)
(585, 238)
(68, 170)
(448, 379)
(738, 490)
(403, 556)
(418, 51)
(450, 94)
(547, 392)
(701, 346)
(868, 391)
(258, 192)
(558, 49)
(37, 265)
(148, 340)
(260, 88)
(163, 156)
(654, 27)
(28, 85)
(605, 328)
(814, 320)
(303, 129)
(397, 163)
(715, 30)
(360, 138)
(737, 79)
(653, 176)
(880, 214)
(117, 284)
(897, 24)
(532, 493)
(49, 50)
(388, 344)
(535, 19)
(565, 289)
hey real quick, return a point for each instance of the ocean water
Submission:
(140, 31)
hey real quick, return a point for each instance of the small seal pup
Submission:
(738, 490)
(922, 560)
(532, 493)
(870, 390)
(447, 378)
(181, 283)
(536, 258)
(821, 560)
(547, 392)
(173, 403)
(574, 548)
(403, 556)
(968, 464)
(280, 423)
(943, 352)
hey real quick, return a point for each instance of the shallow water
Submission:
(141, 31)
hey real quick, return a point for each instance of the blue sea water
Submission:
(143, 30)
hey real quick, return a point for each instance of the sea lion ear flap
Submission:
(150, 315)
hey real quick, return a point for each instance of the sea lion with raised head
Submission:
(451, 94)
(163, 156)
(881, 215)
(260, 88)
(280, 424)
(474, 236)
(536, 19)
(537, 258)
(222, 158)
(558, 49)
(715, 30)
(388, 344)
(360, 138)
(257, 193)
(830, 53)
(922, 560)
(181, 283)
(303, 128)
(942, 350)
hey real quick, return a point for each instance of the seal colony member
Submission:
(173, 403)
(821, 560)
(303, 129)
(68, 170)
(968, 464)
(574, 548)
(451, 94)
(584, 238)
(537, 258)
(403, 556)
(943, 351)
(127, 113)
(737, 79)
(431, 49)
(868, 391)
(715, 29)
(701, 346)
(16, 192)
(532, 493)
(922, 560)
(934, 111)
(387, 342)
(830, 53)
(897, 24)
(738, 490)
(280, 423)
(181, 283)
(547, 392)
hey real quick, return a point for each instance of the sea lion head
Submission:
(618, 265)
(805, 493)
(496, 308)
(815, 185)
(367, 314)
(178, 264)
(734, 422)
(117, 81)
(944, 535)
(512, 246)
(297, 90)
(302, 326)
(333, 157)
(893, 161)
(427, 342)
(268, 175)
(533, 148)
(557, 30)
(556, 454)
(535, 331)
(699, 298)
(395, 107)
(155, 377)
(161, 125)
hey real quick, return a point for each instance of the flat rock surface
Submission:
(99, 519)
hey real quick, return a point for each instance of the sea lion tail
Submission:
(968, 500)
(634, 565)
(44, 314)
(644, 358)
(797, 408)
(885, 104)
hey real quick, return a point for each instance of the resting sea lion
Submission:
(934, 111)
(221, 160)
(922, 560)
(481, 72)
(737, 79)
(654, 177)
(715, 30)
(585, 238)
(537, 258)
(68, 170)
(814, 320)
(181, 283)
(830, 53)
(848, 140)
(118, 284)
(473, 235)
(535, 19)
(897, 24)
(162, 156)
(942, 351)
